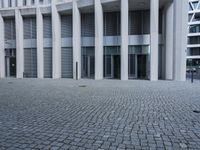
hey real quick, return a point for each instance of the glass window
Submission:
(190, 7)
(139, 22)
(139, 49)
(193, 51)
(195, 5)
(194, 40)
(196, 17)
(189, 17)
(112, 23)
(193, 63)
(194, 28)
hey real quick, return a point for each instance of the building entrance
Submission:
(137, 66)
(141, 61)
(112, 63)
(132, 66)
(88, 61)
(116, 66)
(10, 62)
(13, 66)
(138, 62)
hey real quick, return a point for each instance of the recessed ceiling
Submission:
(133, 5)
(115, 5)
(87, 9)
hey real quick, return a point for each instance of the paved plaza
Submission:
(105, 115)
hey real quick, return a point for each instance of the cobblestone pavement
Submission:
(108, 114)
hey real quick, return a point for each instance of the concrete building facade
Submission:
(193, 53)
(95, 39)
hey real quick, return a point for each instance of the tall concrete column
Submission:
(169, 42)
(40, 49)
(19, 43)
(47, 2)
(14, 3)
(98, 40)
(56, 41)
(163, 47)
(28, 2)
(37, 2)
(180, 39)
(19, 3)
(124, 39)
(2, 48)
(154, 14)
(5, 2)
(76, 40)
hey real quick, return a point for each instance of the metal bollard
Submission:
(76, 70)
(192, 76)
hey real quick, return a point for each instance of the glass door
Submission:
(132, 67)
(88, 60)
(107, 66)
(13, 66)
(141, 60)
(112, 66)
(116, 66)
(10, 62)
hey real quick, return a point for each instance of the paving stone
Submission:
(183, 145)
(108, 114)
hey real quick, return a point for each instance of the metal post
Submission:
(192, 77)
(76, 70)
